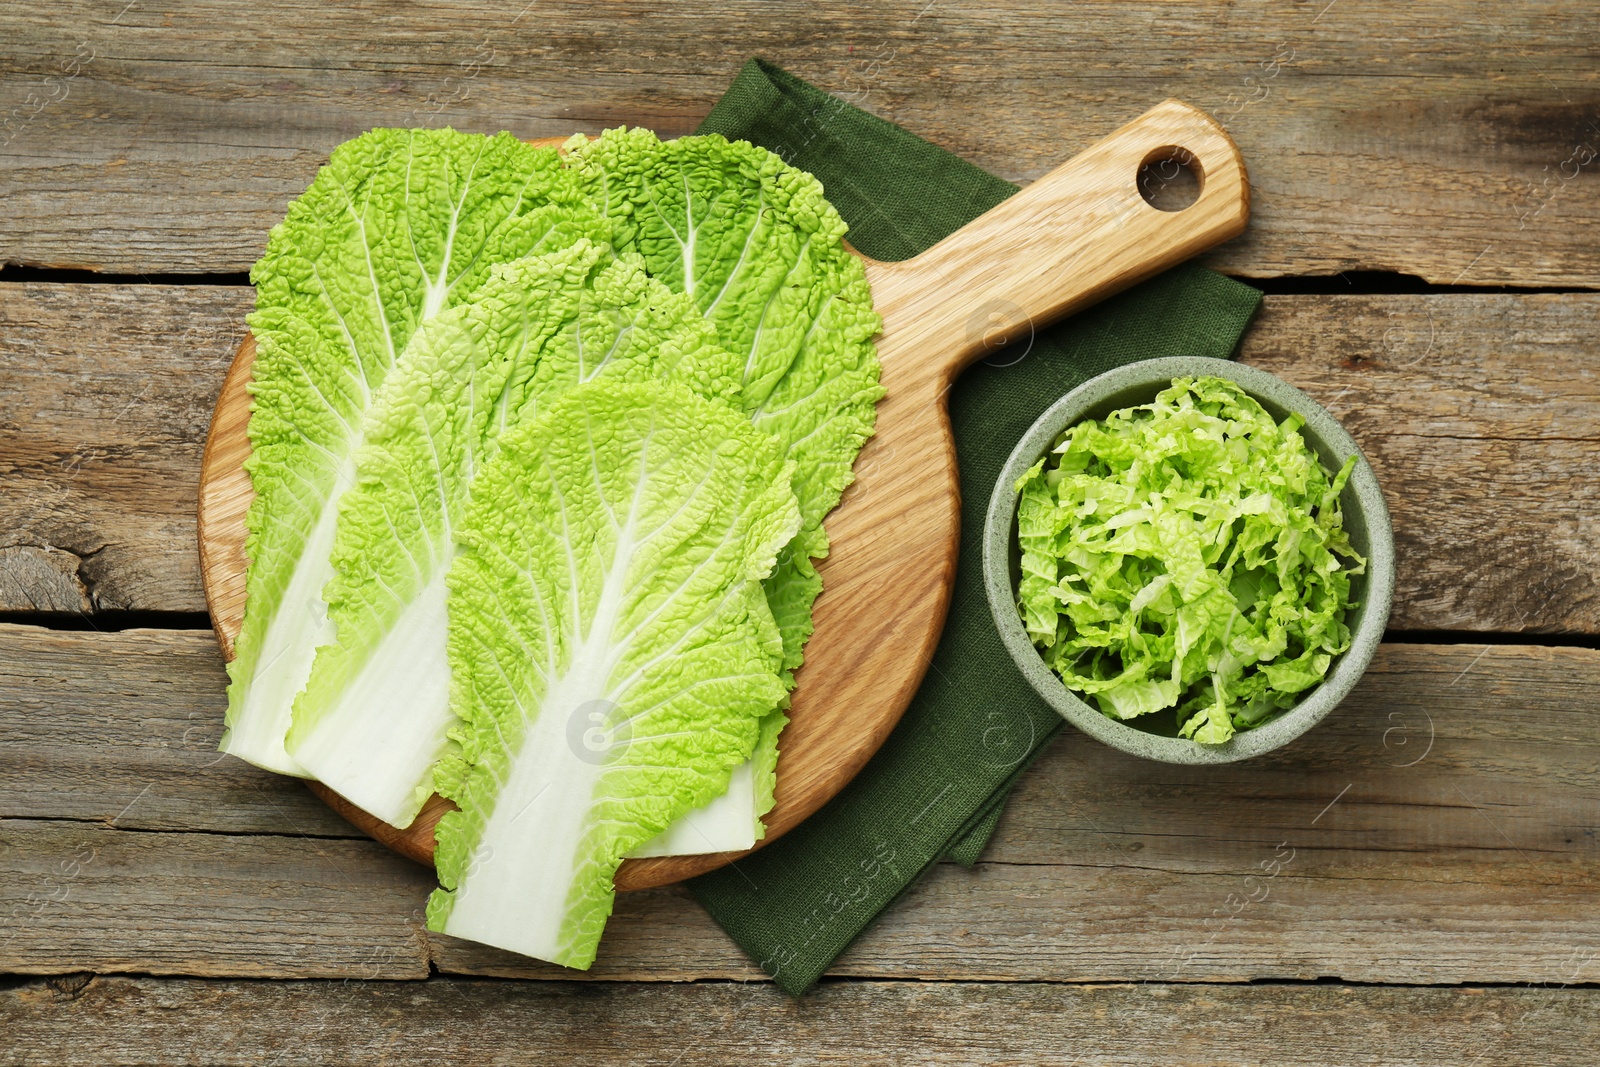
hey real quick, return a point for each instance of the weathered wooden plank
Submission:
(1440, 826)
(123, 729)
(105, 398)
(1481, 413)
(1457, 143)
(80, 896)
(122, 1020)
(87, 897)
(1465, 749)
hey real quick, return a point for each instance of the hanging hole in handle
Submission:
(1170, 178)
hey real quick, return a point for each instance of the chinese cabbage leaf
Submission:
(760, 250)
(399, 226)
(612, 654)
(371, 722)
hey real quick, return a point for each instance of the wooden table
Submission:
(1425, 226)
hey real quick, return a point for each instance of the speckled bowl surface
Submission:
(1366, 519)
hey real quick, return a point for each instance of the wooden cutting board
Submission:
(1075, 236)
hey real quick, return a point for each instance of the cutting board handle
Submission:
(1075, 236)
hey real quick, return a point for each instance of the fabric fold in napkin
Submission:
(937, 787)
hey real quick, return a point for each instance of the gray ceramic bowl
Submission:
(1366, 519)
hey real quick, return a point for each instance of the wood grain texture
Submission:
(1481, 413)
(88, 897)
(105, 396)
(123, 728)
(224, 498)
(129, 1020)
(1434, 138)
(1437, 138)
(1442, 825)
(1077, 235)
(1501, 408)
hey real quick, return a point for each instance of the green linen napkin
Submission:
(938, 785)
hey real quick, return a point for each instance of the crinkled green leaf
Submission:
(371, 722)
(399, 226)
(611, 652)
(760, 250)
(762, 253)
(1186, 554)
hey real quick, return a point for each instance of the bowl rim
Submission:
(1363, 491)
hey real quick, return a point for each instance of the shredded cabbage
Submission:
(1187, 554)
